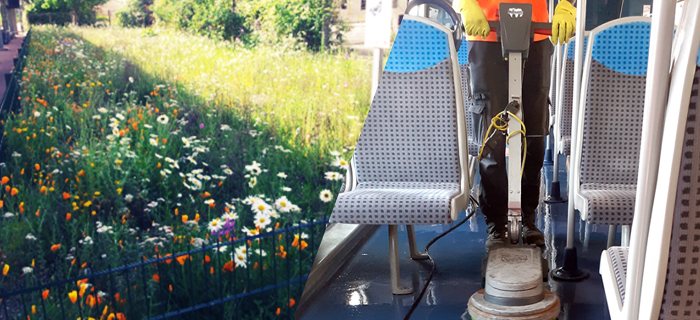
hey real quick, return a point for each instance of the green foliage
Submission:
(136, 13)
(314, 22)
(58, 11)
(215, 19)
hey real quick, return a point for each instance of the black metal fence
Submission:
(254, 277)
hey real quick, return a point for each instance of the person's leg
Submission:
(536, 82)
(489, 79)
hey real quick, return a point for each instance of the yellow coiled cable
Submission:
(504, 128)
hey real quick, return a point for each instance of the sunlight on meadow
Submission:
(324, 97)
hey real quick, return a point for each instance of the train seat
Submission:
(661, 281)
(610, 121)
(411, 160)
(564, 100)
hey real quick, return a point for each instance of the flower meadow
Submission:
(109, 164)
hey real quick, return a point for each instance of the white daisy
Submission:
(340, 162)
(260, 207)
(253, 181)
(262, 220)
(326, 196)
(282, 175)
(215, 225)
(283, 204)
(240, 260)
(27, 270)
(330, 175)
(250, 232)
(287, 189)
(335, 153)
(162, 119)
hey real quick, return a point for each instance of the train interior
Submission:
(620, 187)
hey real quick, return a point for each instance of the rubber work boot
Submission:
(532, 235)
(497, 238)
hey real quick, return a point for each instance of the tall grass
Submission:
(323, 98)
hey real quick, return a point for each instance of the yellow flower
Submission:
(5, 269)
(97, 193)
(119, 191)
(184, 219)
(88, 203)
(73, 296)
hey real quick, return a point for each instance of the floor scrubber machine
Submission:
(515, 272)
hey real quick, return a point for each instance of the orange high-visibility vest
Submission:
(490, 7)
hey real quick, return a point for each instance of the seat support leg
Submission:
(396, 287)
(625, 236)
(413, 248)
(586, 236)
(612, 230)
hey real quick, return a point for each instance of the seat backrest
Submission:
(670, 281)
(412, 130)
(565, 101)
(614, 85)
(463, 56)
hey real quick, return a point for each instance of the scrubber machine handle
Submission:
(516, 31)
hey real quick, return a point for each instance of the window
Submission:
(363, 4)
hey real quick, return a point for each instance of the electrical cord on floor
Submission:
(432, 262)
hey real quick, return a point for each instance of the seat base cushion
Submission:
(396, 203)
(618, 258)
(609, 203)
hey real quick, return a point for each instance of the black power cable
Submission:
(432, 262)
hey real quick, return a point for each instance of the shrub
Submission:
(136, 13)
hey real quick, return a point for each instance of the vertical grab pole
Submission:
(655, 101)
(555, 188)
(548, 153)
(570, 270)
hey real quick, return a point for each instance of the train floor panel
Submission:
(361, 290)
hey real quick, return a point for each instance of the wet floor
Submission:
(362, 289)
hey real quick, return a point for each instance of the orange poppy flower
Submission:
(45, 294)
(68, 216)
(4, 180)
(278, 311)
(37, 167)
(292, 302)
(55, 247)
(228, 267)
(90, 301)
(66, 196)
(14, 192)
(181, 259)
(156, 278)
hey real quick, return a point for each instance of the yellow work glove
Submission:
(563, 22)
(473, 17)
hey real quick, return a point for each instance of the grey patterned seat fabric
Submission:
(407, 159)
(609, 203)
(566, 145)
(612, 122)
(396, 203)
(463, 55)
(681, 298)
(618, 259)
